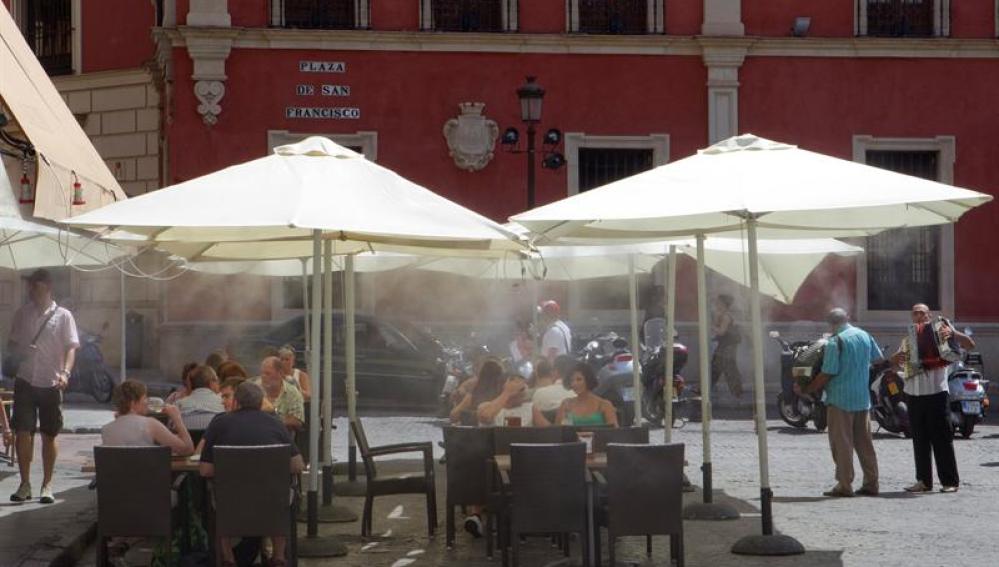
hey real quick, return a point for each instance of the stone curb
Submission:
(73, 552)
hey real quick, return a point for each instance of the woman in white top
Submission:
(298, 377)
(131, 426)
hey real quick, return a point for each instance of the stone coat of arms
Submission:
(471, 137)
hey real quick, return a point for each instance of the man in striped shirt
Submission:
(845, 375)
(929, 417)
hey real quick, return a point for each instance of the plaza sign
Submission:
(323, 112)
(322, 67)
(308, 89)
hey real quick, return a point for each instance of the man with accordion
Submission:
(931, 346)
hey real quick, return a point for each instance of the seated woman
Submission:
(131, 426)
(488, 385)
(185, 381)
(586, 408)
(512, 404)
(296, 376)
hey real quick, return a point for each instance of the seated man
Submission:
(286, 399)
(203, 403)
(512, 405)
(247, 425)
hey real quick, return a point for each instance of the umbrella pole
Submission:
(305, 310)
(351, 357)
(768, 543)
(122, 362)
(327, 388)
(707, 509)
(668, 345)
(312, 545)
(636, 376)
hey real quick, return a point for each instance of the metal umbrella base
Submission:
(768, 545)
(710, 511)
(331, 514)
(325, 546)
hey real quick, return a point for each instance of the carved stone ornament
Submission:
(209, 94)
(471, 137)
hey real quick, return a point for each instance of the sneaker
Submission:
(46, 495)
(23, 493)
(838, 492)
(948, 489)
(918, 487)
(473, 525)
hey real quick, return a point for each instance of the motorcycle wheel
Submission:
(653, 409)
(102, 385)
(819, 418)
(789, 413)
(967, 426)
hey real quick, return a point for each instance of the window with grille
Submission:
(316, 14)
(600, 166)
(903, 265)
(48, 28)
(900, 18)
(469, 15)
(613, 16)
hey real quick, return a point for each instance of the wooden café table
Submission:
(177, 465)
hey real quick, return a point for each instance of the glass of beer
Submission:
(155, 405)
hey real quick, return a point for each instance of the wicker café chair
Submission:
(644, 496)
(469, 453)
(421, 482)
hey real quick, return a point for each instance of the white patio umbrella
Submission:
(284, 206)
(764, 189)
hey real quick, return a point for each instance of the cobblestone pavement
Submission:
(895, 529)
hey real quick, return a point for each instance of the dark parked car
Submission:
(398, 365)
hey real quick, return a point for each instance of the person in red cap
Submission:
(557, 338)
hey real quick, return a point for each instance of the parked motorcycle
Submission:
(460, 366)
(90, 375)
(611, 358)
(800, 359)
(888, 401)
(967, 399)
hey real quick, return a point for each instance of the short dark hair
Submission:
(185, 373)
(202, 377)
(563, 368)
(249, 395)
(543, 368)
(215, 359)
(588, 375)
(40, 275)
(726, 299)
(231, 369)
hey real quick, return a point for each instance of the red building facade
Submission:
(629, 83)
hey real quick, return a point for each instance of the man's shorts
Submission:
(41, 406)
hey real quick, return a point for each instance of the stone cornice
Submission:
(367, 40)
(102, 79)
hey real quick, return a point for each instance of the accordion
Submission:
(927, 349)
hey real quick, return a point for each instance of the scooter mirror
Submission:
(774, 334)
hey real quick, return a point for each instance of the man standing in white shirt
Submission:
(557, 338)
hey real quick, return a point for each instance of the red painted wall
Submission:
(407, 98)
(542, 17)
(684, 17)
(107, 43)
(776, 17)
(803, 101)
(395, 15)
(249, 14)
(183, 7)
(973, 19)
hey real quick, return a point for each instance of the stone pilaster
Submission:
(723, 62)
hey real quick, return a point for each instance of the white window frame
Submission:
(510, 17)
(17, 11)
(658, 143)
(655, 15)
(946, 147)
(361, 12)
(941, 18)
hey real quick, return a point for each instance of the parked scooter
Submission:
(967, 398)
(800, 359)
(654, 373)
(90, 375)
(611, 358)
(460, 365)
(888, 401)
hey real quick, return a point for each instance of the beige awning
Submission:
(27, 93)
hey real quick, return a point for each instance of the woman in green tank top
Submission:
(586, 408)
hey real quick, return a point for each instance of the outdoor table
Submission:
(177, 465)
